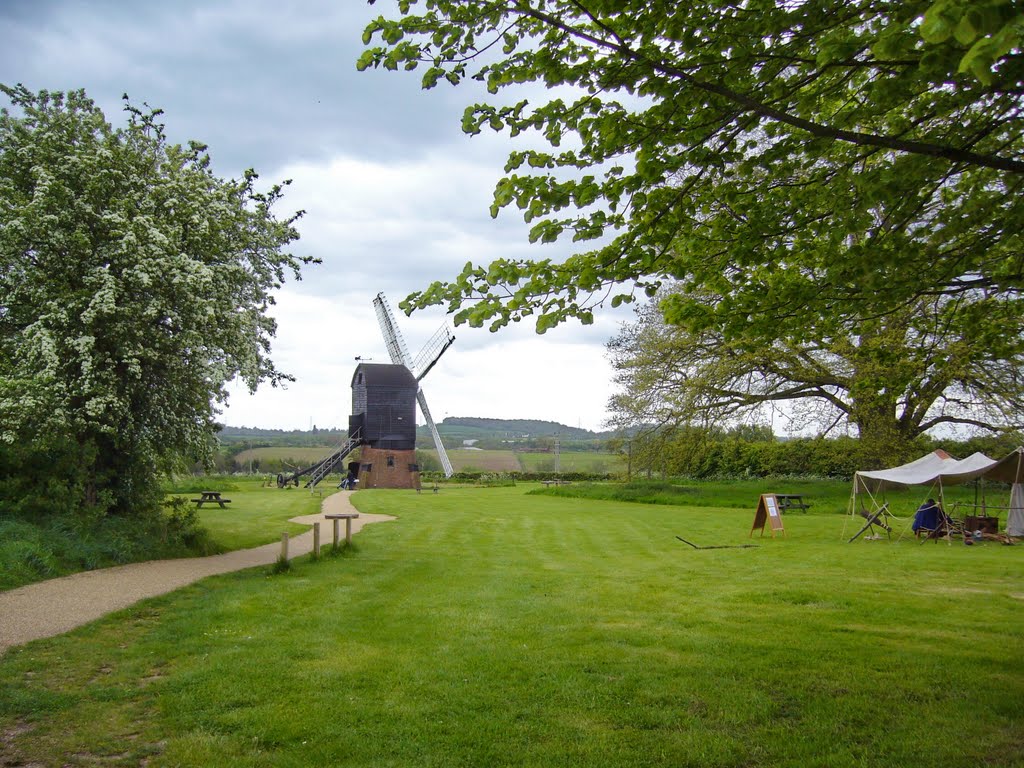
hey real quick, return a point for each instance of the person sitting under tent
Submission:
(929, 518)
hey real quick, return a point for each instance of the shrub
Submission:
(35, 547)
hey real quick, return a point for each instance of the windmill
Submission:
(382, 423)
(427, 358)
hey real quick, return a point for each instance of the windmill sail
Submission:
(432, 351)
(426, 359)
(441, 452)
(393, 340)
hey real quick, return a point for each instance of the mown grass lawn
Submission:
(258, 514)
(823, 496)
(487, 627)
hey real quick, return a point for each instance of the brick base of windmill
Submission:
(386, 468)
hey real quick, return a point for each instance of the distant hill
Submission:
(454, 430)
(514, 428)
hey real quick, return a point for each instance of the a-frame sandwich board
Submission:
(768, 512)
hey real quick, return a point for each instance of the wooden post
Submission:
(348, 530)
(316, 539)
(337, 530)
(284, 547)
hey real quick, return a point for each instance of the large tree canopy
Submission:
(801, 164)
(134, 284)
(941, 362)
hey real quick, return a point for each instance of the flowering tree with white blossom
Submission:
(134, 285)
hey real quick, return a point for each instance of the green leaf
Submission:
(366, 59)
(935, 28)
(764, 158)
(965, 32)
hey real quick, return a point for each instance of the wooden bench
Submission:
(348, 517)
(211, 497)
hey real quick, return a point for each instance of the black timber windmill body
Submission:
(384, 406)
(383, 415)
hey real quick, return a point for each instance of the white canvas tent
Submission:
(940, 469)
(1011, 470)
(1015, 519)
(937, 467)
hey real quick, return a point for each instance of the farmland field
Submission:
(469, 459)
(463, 459)
(573, 461)
(298, 455)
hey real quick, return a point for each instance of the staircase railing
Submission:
(322, 468)
(327, 466)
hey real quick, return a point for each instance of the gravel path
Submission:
(52, 607)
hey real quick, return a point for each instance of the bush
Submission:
(44, 546)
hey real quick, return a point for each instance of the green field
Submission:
(471, 459)
(299, 456)
(573, 461)
(493, 627)
(463, 459)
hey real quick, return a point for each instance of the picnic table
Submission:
(211, 497)
(789, 501)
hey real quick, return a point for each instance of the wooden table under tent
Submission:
(869, 510)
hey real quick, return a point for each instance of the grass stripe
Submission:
(489, 627)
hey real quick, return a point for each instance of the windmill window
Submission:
(366, 467)
(391, 461)
(414, 467)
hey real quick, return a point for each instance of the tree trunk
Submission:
(885, 443)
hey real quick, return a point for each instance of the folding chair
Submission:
(947, 528)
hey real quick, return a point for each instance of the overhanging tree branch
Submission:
(859, 138)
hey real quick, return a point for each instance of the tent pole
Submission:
(852, 503)
(945, 514)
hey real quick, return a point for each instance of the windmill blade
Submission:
(441, 452)
(393, 340)
(432, 351)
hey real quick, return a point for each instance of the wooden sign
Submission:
(768, 511)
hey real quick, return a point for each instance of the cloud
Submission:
(401, 224)
(503, 375)
(261, 82)
(396, 195)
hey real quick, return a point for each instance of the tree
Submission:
(133, 285)
(805, 165)
(941, 362)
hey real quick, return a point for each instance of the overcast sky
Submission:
(396, 195)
